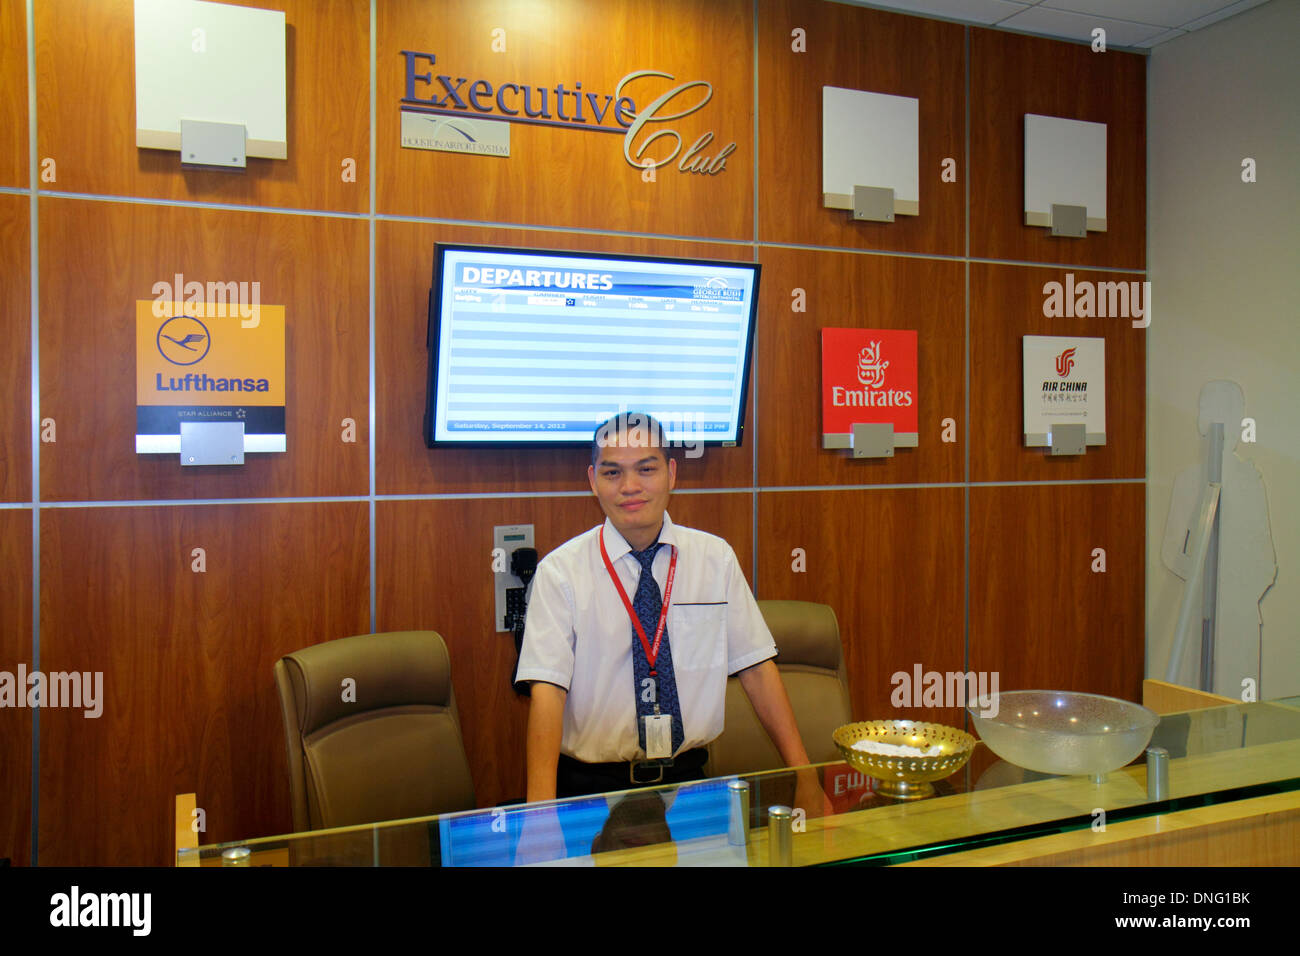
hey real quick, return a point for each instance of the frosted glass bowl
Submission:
(1064, 732)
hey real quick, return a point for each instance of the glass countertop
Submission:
(1217, 755)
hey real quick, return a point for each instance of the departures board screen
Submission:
(536, 346)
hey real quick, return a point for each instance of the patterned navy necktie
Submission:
(648, 604)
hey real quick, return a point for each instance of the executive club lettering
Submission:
(205, 383)
(536, 278)
(537, 101)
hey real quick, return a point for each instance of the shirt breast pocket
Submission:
(698, 635)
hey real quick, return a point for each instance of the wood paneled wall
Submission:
(85, 99)
(16, 357)
(563, 177)
(314, 266)
(13, 96)
(1011, 75)
(186, 655)
(15, 650)
(287, 539)
(862, 50)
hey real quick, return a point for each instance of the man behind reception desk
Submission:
(629, 671)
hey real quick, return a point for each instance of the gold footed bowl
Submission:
(905, 777)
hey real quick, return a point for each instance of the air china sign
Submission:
(1065, 384)
(471, 115)
(869, 376)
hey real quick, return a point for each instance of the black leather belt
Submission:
(644, 773)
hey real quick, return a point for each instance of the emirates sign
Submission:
(869, 376)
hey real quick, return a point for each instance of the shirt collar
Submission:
(616, 545)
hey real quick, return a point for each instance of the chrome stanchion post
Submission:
(780, 837)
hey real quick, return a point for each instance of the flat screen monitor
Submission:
(530, 346)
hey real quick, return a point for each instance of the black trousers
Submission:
(573, 778)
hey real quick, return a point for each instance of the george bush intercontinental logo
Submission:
(869, 376)
(1065, 362)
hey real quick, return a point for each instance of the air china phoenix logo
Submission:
(1065, 362)
(871, 370)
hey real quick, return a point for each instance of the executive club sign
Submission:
(470, 114)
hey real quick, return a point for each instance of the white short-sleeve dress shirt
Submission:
(578, 636)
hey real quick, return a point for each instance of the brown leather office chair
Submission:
(811, 663)
(393, 750)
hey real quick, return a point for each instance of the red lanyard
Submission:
(651, 651)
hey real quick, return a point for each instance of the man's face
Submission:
(632, 483)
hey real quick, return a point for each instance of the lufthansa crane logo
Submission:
(183, 340)
(1065, 362)
(871, 370)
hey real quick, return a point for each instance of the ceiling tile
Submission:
(1162, 38)
(968, 11)
(1226, 12)
(1077, 26)
(1166, 13)
(1128, 23)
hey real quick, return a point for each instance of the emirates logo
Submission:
(871, 370)
(1065, 362)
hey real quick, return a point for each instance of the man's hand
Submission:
(545, 729)
(809, 795)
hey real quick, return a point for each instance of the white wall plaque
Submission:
(870, 139)
(1065, 164)
(214, 63)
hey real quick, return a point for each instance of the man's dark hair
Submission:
(642, 426)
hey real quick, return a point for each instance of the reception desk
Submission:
(1233, 800)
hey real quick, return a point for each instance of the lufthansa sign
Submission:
(203, 362)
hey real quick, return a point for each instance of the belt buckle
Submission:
(657, 764)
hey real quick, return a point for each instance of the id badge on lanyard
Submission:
(658, 736)
(658, 727)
